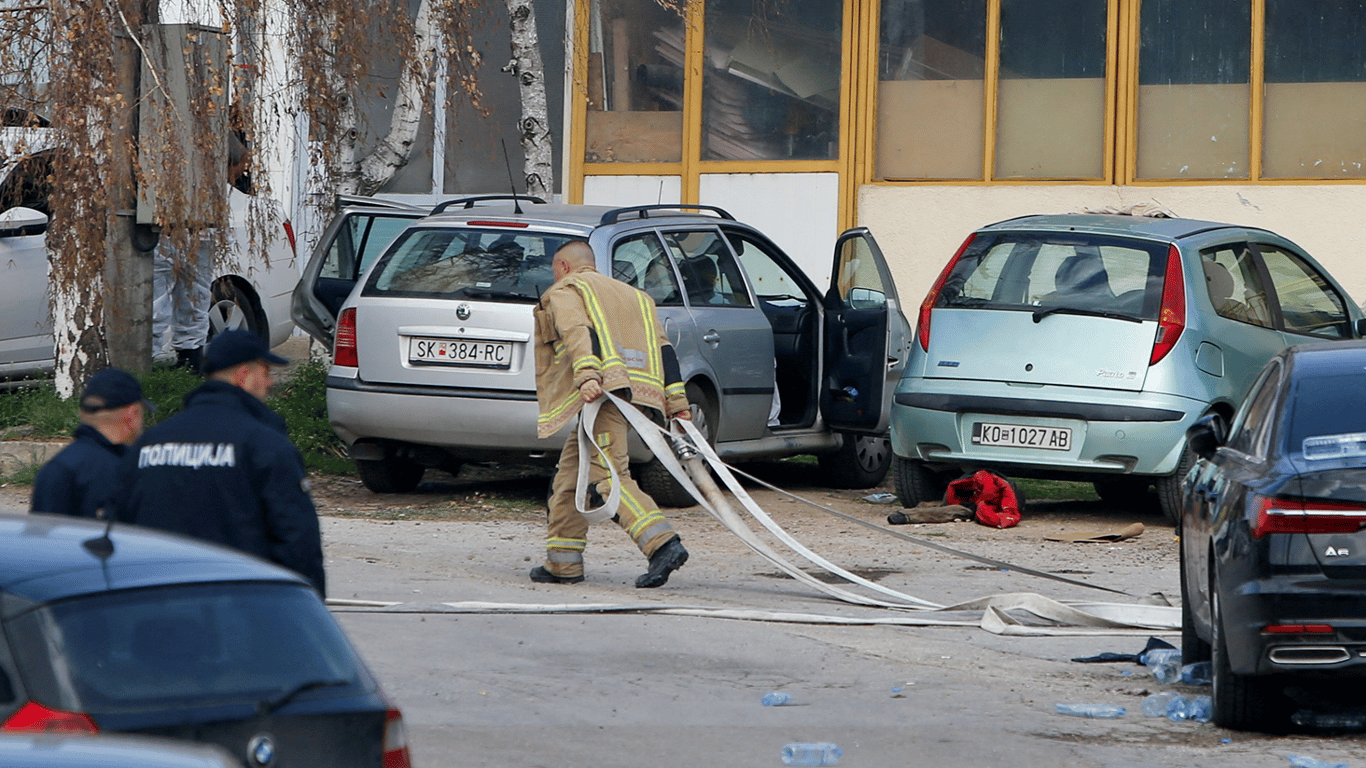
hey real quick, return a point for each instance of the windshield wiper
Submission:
(266, 706)
(1040, 314)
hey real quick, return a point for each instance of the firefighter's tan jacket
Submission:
(590, 326)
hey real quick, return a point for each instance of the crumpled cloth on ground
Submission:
(1153, 642)
(994, 499)
(930, 512)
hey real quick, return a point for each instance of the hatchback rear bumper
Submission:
(1111, 432)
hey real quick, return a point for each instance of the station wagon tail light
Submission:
(289, 235)
(1291, 516)
(922, 328)
(34, 717)
(344, 344)
(1171, 318)
(395, 741)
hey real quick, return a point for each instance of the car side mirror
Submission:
(1360, 328)
(1206, 435)
(866, 298)
(22, 222)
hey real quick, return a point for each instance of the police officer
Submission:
(595, 334)
(224, 470)
(81, 479)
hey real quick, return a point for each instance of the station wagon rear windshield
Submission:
(120, 652)
(456, 263)
(1038, 271)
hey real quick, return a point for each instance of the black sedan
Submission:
(1273, 557)
(141, 632)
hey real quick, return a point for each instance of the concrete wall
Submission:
(920, 227)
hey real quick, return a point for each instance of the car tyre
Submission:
(915, 482)
(1242, 702)
(656, 479)
(862, 461)
(392, 474)
(1169, 488)
(233, 308)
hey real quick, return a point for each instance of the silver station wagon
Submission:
(430, 317)
(1082, 346)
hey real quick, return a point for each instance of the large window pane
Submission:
(634, 83)
(930, 102)
(1315, 68)
(1050, 118)
(771, 83)
(1194, 95)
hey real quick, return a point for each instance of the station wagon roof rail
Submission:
(468, 202)
(616, 214)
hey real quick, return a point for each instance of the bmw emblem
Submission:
(261, 751)
(463, 311)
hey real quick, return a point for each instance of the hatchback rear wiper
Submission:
(266, 706)
(1040, 314)
(470, 293)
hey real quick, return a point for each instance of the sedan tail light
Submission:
(922, 328)
(344, 343)
(1292, 516)
(1171, 318)
(395, 741)
(289, 235)
(35, 717)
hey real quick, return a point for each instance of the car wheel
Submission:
(392, 474)
(655, 479)
(1169, 488)
(915, 482)
(1242, 702)
(1193, 648)
(1125, 492)
(232, 308)
(862, 461)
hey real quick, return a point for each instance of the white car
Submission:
(250, 290)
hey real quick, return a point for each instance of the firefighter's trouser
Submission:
(567, 530)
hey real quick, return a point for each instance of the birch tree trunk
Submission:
(369, 174)
(526, 65)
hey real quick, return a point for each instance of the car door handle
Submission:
(712, 337)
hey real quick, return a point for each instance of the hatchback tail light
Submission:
(922, 328)
(1171, 318)
(395, 741)
(35, 717)
(1289, 516)
(344, 343)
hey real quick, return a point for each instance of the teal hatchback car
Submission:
(1082, 346)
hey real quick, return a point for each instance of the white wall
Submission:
(625, 191)
(798, 211)
(920, 227)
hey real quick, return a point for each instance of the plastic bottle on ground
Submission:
(812, 753)
(1105, 711)
(776, 699)
(1158, 655)
(1156, 705)
(1200, 709)
(1196, 674)
(1300, 761)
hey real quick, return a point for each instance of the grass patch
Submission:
(1056, 490)
(38, 412)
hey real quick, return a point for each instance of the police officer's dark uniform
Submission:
(225, 471)
(81, 480)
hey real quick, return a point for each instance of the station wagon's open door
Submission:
(351, 243)
(866, 337)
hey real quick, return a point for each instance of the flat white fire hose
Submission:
(1000, 614)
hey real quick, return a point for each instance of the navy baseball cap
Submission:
(112, 388)
(235, 347)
